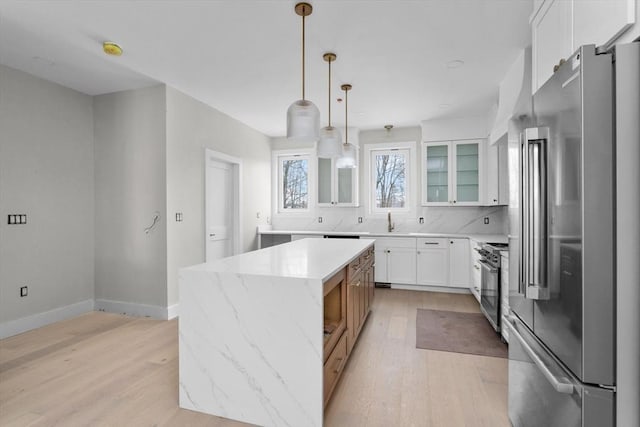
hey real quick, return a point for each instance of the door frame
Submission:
(236, 166)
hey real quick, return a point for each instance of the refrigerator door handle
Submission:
(558, 384)
(534, 208)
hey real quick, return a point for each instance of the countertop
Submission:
(496, 238)
(305, 258)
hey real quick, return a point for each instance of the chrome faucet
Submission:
(390, 225)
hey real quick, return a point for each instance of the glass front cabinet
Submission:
(452, 172)
(336, 186)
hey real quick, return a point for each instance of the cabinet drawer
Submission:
(395, 242)
(333, 367)
(354, 267)
(433, 243)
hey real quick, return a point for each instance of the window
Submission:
(390, 168)
(391, 179)
(295, 183)
(294, 186)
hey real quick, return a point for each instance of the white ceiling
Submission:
(243, 56)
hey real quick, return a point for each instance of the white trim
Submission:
(134, 309)
(309, 154)
(236, 164)
(445, 289)
(24, 324)
(412, 183)
(173, 311)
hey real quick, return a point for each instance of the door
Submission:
(459, 263)
(436, 175)
(402, 265)
(571, 205)
(543, 393)
(466, 179)
(222, 205)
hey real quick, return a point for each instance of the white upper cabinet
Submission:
(560, 27)
(551, 39)
(497, 173)
(601, 22)
(336, 186)
(452, 173)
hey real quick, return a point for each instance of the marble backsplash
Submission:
(463, 220)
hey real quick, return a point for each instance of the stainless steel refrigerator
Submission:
(562, 346)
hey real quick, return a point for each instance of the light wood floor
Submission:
(110, 370)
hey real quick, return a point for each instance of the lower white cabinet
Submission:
(402, 265)
(475, 270)
(424, 261)
(395, 260)
(458, 263)
(432, 257)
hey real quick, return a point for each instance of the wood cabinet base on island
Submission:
(264, 336)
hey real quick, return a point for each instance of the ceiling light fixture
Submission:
(111, 48)
(330, 144)
(349, 151)
(303, 117)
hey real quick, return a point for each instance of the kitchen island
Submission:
(254, 342)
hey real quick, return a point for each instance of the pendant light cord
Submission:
(346, 118)
(303, 53)
(329, 95)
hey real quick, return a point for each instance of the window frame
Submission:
(276, 177)
(370, 150)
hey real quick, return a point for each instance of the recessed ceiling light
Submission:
(456, 63)
(111, 48)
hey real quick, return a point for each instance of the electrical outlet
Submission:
(23, 291)
(16, 219)
(486, 220)
(320, 219)
(178, 216)
(359, 220)
(421, 220)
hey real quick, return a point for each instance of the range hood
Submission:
(515, 95)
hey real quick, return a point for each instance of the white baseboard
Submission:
(173, 311)
(15, 327)
(445, 289)
(137, 310)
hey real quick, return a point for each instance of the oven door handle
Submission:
(488, 266)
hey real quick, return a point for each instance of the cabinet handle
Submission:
(454, 201)
(357, 283)
(418, 252)
(476, 267)
(431, 243)
(338, 363)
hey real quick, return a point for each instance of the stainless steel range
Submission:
(490, 282)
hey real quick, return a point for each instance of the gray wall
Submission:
(191, 127)
(130, 185)
(46, 172)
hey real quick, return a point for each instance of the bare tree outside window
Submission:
(295, 184)
(390, 180)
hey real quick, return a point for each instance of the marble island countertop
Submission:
(251, 341)
(495, 238)
(306, 259)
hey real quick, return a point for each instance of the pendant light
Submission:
(330, 144)
(349, 151)
(303, 117)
